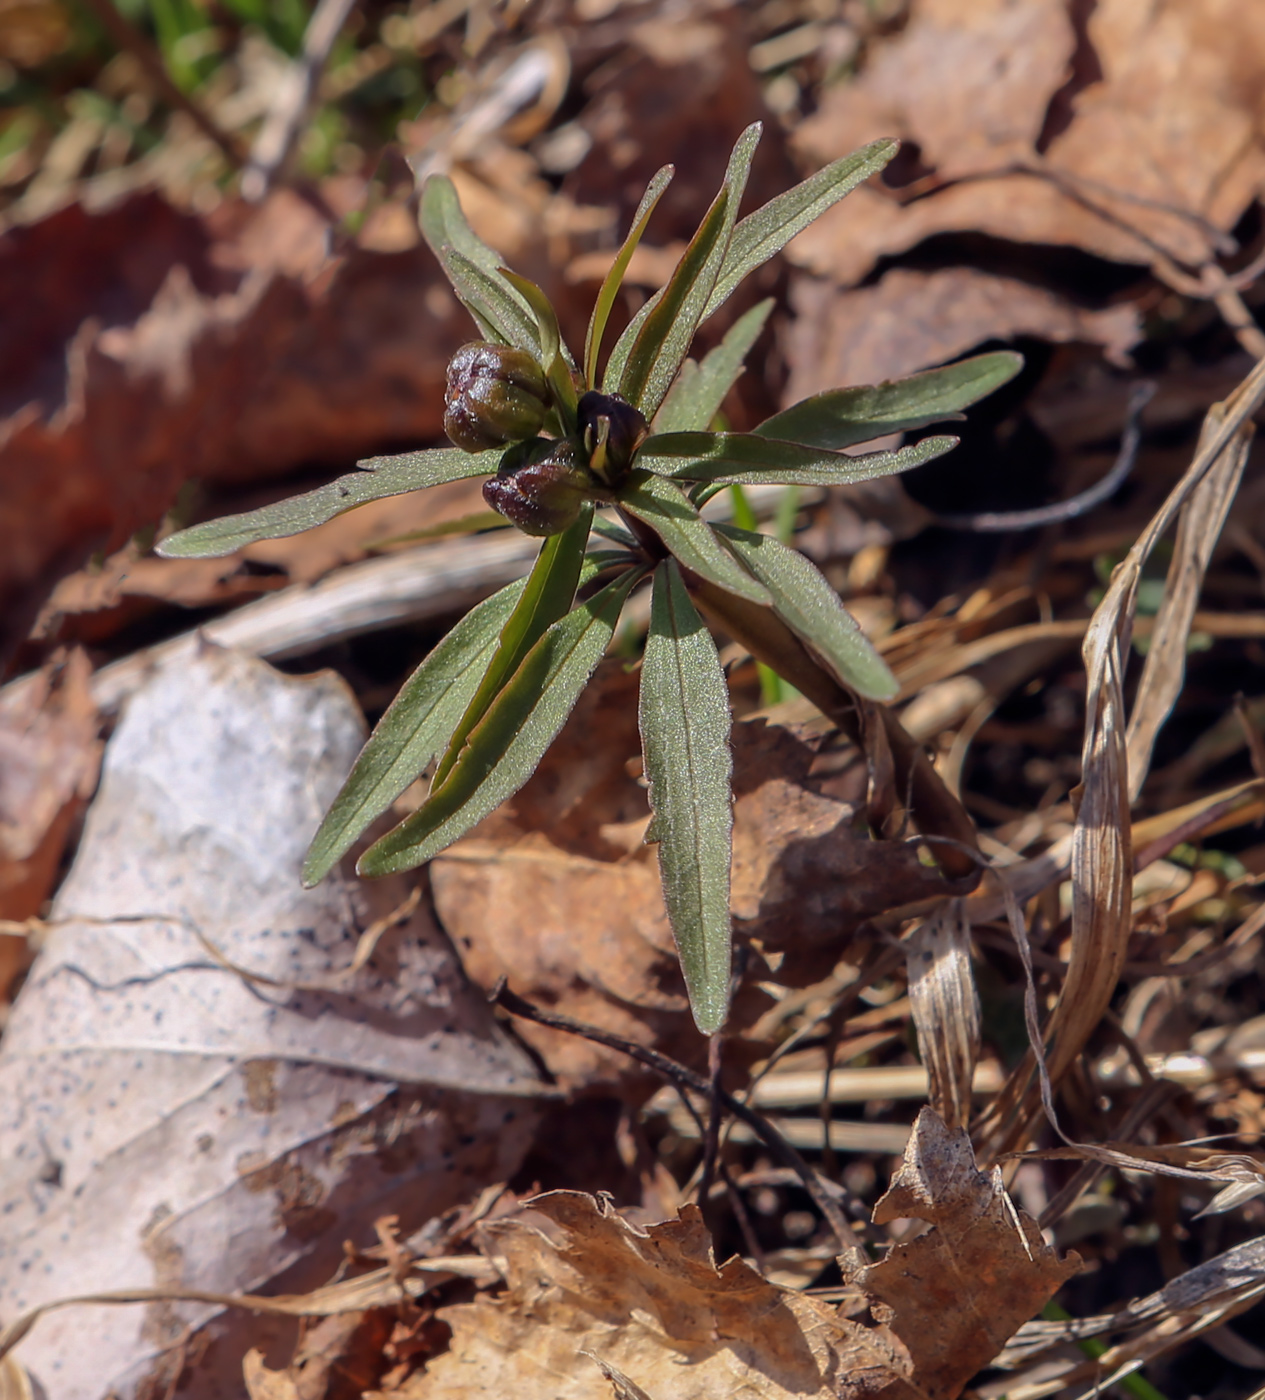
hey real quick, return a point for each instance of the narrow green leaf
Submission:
(510, 740)
(684, 718)
(750, 459)
(663, 506)
(549, 593)
(770, 228)
(660, 342)
(811, 608)
(377, 477)
(842, 417)
(414, 729)
(554, 355)
(472, 268)
(615, 277)
(695, 397)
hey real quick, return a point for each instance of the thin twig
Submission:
(711, 1138)
(996, 522)
(684, 1078)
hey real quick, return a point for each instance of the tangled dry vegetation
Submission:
(986, 1116)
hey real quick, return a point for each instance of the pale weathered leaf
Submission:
(377, 477)
(808, 604)
(945, 1008)
(415, 728)
(166, 1122)
(684, 719)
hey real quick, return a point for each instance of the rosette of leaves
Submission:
(613, 469)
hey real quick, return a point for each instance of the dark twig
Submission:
(711, 1138)
(684, 1078)
(998, 521)
(131, 40)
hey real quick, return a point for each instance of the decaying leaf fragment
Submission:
(651, 1307)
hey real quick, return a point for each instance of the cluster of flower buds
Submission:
(500, 395)
(495, 395)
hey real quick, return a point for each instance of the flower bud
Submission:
(612, 430)
(495, 395)
(540, 486)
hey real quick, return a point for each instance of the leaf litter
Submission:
(1128, 137)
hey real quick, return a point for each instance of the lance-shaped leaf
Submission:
(615, 277)
(510, 740)
(684, 718)
(699, 389)
(661, 504)
(554, 356)
(841, 417)
(472, 268)
(767, 231)
(549, 593)
(810, 607)
(414, 729)
(377, 477)
(649, 353)
(749, 459)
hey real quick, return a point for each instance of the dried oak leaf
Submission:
(229, 351)
(1139, 138)
(165, 1120)
(582, 1283)
(557, 892)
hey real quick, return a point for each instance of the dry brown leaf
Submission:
(167, 1124)
(227, 354)
(1151, 150)
(946, 1009)
(263, 1384)
(911, 319)
(49, 756)
(583, 1283)
(557, 892)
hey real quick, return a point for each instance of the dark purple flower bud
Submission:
(495, 395)
(540, 486)
(612, 430)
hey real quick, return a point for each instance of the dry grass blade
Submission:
(1199, 528)
(946, 1009)
(381, 1288)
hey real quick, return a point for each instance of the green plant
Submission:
(628, 459)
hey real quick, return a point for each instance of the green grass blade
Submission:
(549, 593)
(512, 737)
(647, 366)
(377, 477)
(414, 729)
(684, 718)
(472, 268)
(767, 231)
(695, 398)
(615, 277)
(842, 417)
(811, 608)
(749, 460)
(662, 505)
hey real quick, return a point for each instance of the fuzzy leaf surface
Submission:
(811, 608)
(699, 389)
(511, 738)
(659, 343)
(473, 268)
(414, 729)
(749, 459)
(841, 417)
(668, 511)
(377, 477)
(770, 228)
(548, 594)
(684, 718)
